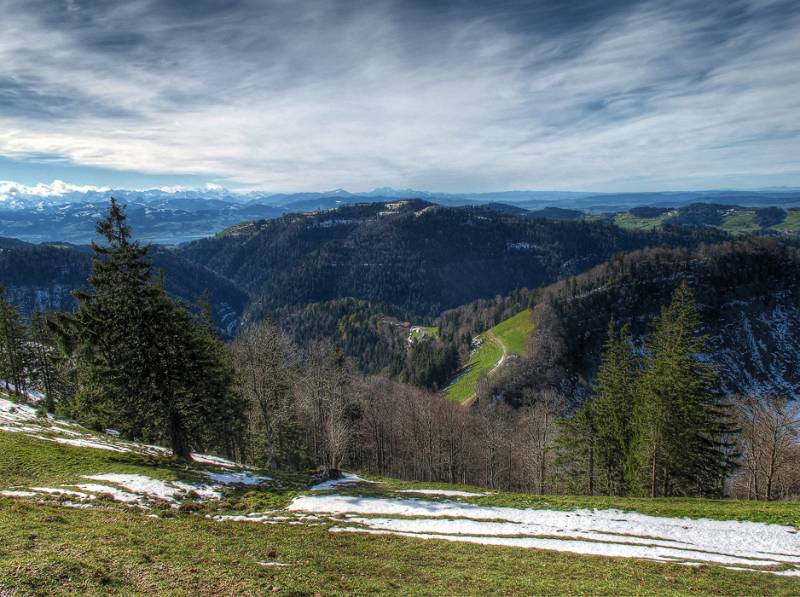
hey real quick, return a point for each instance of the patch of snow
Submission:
(29, 395)
(791, 572)
(207, 492)
(444, 492)
(56, 427)
(345, 479)
(83, 443)
(82, 506)
(273, 564)
(117, 494)
(154, 488)
(242, 478)
(618, 550)
(22, 418)
(215, 460)
(20, 429)
(11, 412)
(15, 493)
(590, 532)
(64, 492)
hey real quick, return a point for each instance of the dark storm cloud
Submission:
(493, 94)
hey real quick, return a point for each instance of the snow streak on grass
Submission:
(615, 533)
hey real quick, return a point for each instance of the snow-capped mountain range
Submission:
(62, 211)
(14, 195)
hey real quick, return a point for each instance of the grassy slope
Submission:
(48, 548)
(740, 222)
(790, 224)
(627, 221)
(513, 332)
(482, 361)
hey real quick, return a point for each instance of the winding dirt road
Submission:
(489, 336)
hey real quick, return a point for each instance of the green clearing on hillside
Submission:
(627, 221)
(484, 359)
(512, 332)
(740, 222)
(791, 223)
(52, 549)
(515, 331)
(421, 331)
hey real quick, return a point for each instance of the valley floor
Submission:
(99, 515)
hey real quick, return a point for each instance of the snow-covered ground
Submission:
(130, 489)
(237, 478)
(139, 490)
(22, 418)
(755, 546)
(443, 492)
(345, 479)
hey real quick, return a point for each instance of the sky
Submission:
(443, 96)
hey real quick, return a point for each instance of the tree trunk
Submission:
(177, 437)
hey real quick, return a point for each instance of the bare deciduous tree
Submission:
(770, 446)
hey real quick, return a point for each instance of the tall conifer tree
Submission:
(145, 366)
(613, 400)
(12, 346)
(680, 416)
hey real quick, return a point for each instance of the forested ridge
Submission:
(416, 256)
(351, 274)
(748, 294)
(657, 420)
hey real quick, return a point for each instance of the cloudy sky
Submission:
(450, 96)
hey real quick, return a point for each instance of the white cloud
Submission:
(58, 188)
(301, 99)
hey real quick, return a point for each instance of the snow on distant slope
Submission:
(15, 195)
(759, 350)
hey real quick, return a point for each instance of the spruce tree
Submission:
(680, 416)
(576, 451)
(613, 401)
(12, 346)
(44, 359)
(144, 365)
